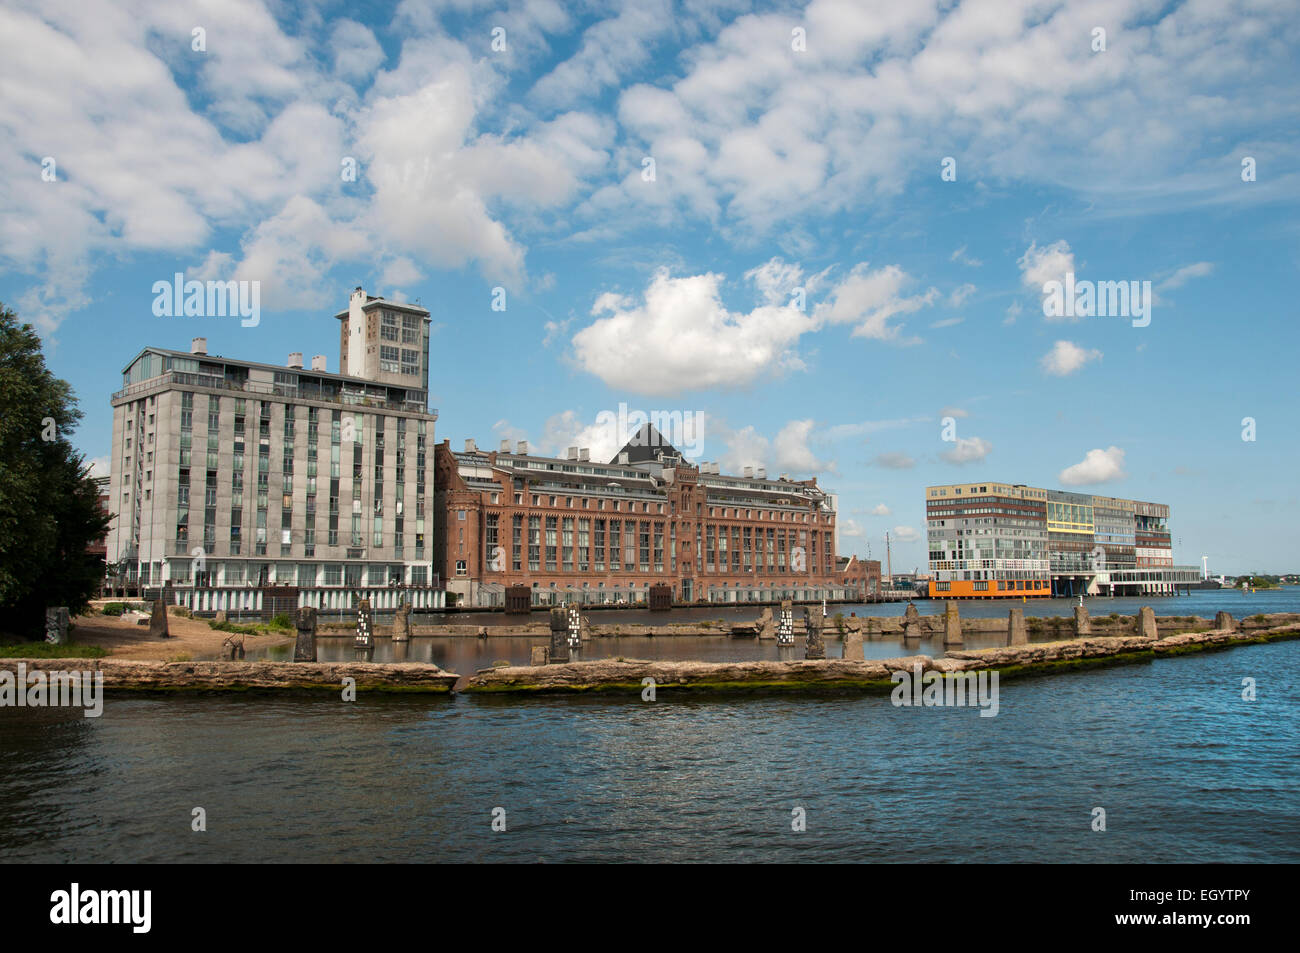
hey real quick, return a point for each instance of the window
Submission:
(460, 567)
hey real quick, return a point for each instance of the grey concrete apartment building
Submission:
(231, 476)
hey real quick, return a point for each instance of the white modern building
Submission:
(234, 481)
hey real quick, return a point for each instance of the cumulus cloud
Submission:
(880, 509)
(1066, 357)
(906, 534)
(868, 299)
(680, 336)
(968, 450)
(1050, 263)
(1099, 466)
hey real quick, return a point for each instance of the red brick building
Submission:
(860, 576)
(573, 529)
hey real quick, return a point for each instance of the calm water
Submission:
(1185, 769)
(468, 655)
(1198, 602)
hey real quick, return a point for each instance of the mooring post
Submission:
(814, 647)
(304, 649)
(785, 624)
(951, 625)
(365, 640)
(1016, 634)
(559, 634)
(402, 624)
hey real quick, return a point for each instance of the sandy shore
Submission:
(123, 638)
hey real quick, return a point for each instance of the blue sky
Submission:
(794, 146)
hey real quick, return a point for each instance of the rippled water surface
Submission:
(1185, 769)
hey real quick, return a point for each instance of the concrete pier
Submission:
(304, 622)
(1016, 633)
(951, 625)
(559, 635)
(814, 647)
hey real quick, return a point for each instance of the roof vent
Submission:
(573, 453)
(584, 453)
(749, 472)
(761, 473)
(295, 360)
(470, 445)
(318, 363)
(199, 346)
(521, 448)
(623, 457)
(505, 446)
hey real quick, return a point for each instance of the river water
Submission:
(468, 655)
(1185, 769)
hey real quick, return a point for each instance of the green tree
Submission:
(49, 506)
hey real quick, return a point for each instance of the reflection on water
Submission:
(467, 655)
(1187, 771)
(1202, 602)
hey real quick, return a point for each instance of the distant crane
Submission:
(1205, 567)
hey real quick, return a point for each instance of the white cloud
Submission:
(1180, 277)
(968, 450)
(1013, 312)
(906, 534)
(951, 411)
(1099, 466)
(100, 466)
(682, 337)
(880, 509)
(843, 431)
(357, 54)
(1040, 265)
(868, 299)
(1066, 357)
(960, 256)
(959, 295)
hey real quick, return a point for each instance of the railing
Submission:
(282, 390)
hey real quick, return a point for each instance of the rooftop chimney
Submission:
(521, 448)
(749, 473)
(584, 453)
(505, 446)
(199, 346)
(295, 359)
(470, 445)
(318, 363)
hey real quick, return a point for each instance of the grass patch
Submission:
(46, 650)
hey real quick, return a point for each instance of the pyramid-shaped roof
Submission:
(646, 445)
